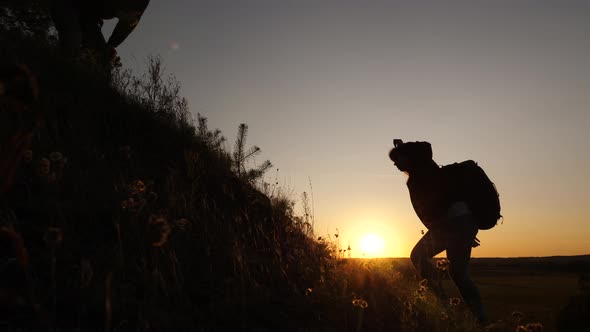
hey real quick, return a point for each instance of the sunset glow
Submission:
(371, 245)
(324, 99)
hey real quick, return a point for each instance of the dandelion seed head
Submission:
(55, 156)
(160, 229)
(360, 303)
(534, 327)
(44, 166)
(28, 156)
(442, 264)
(86, 273)
(137, 187)
(125, 152)
(182, 223)
(517, 315)
(152, 196)
(420, 295)
(53, 236)
(52, 177)
(424, 283)
(408, 305)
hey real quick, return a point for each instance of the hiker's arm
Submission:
(124, 27)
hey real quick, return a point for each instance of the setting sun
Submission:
(371, 245)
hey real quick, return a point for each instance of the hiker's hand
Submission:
(475, 243)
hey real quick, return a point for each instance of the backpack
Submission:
(477, 190)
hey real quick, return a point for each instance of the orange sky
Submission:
(325, 86)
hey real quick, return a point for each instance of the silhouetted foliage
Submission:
(242, 155)
(26, 16)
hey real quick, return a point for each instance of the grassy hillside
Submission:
(134, 216)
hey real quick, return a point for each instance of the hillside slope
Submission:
(135, 218)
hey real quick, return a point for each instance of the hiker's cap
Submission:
(414, 151)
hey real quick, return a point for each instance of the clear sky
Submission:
(326, 85)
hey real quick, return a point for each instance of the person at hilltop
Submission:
(450, 223)
(79, 23)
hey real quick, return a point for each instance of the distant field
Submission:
(537, 287)
(539, 297)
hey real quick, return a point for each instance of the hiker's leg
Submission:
(67, 23)
(430, 245)
(459, 253)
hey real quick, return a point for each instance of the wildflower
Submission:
(424, 284)
(53, 236)
(444, 316)
(137, 187)
(360, 303)
(159, 230)
(455, 301)
(130, 204)
(86, 273)
(125, 152)
(58, 161)
(517, 315)
(152, 197)
(442, 264)
(140, 187)
(44, 166)
(52, 177)
(55, 156)
(409, 308)
(420, 295)
(534, 327)
(28, 156)
(408, 305)
(183, 224)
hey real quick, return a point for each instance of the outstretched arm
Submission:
(127, 22)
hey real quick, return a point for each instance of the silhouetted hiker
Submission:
(79, 23)
(443, 210)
